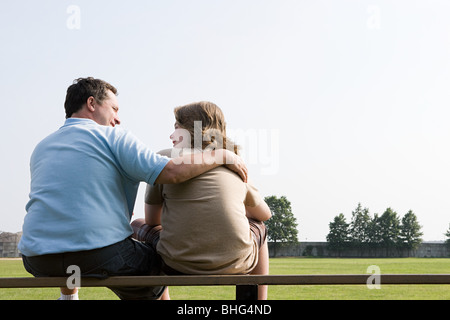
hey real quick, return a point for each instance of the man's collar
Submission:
(74, 121)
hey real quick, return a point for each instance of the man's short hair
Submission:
(82, 89)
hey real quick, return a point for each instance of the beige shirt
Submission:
(205, 230)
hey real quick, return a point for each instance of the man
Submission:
(84, 182)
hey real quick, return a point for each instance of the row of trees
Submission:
(364, 232)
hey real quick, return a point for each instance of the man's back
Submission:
(83, 188)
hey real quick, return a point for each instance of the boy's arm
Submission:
(191, 165)
(153, 214)
(153, 204)
(261, 212)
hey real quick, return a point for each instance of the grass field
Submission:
(14, 268)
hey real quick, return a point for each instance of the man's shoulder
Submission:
(71, 134)
(166, 152)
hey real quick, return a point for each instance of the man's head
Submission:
(94, 99)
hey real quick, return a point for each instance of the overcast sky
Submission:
(334, 102)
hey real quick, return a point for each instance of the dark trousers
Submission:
(125, 258)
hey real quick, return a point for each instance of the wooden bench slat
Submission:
(231, 280)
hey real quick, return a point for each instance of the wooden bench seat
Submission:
(246, 285)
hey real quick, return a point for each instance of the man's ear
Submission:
(90, 103)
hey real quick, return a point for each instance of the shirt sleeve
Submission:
(252, 198)
(153, 194)
(137, 161)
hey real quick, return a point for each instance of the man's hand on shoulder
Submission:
(189, 166)
(236, 163)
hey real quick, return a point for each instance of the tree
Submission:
(410, 235)
(282, 226)
(359, 226)
(338, 237)
(375, 231)
(390, 229)
(447, 234)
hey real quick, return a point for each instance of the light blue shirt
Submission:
(84, 182)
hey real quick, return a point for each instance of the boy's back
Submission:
(205, 230)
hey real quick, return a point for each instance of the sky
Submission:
(335, 103)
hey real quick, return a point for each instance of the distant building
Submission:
(8, 244)
(321, 249)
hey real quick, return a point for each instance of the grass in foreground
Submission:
(14, 268)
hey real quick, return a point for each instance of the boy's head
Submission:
(204, 120)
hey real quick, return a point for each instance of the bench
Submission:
(246, 285)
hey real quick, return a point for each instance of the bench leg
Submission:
(247, 292)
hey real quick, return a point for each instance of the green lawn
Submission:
(14, 268)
